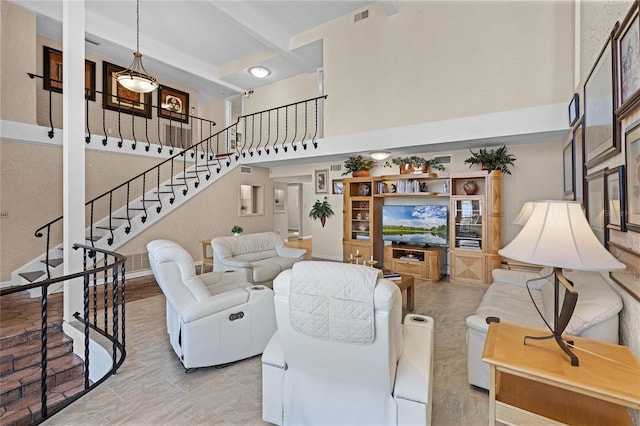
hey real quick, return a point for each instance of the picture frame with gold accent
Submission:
(116, 97)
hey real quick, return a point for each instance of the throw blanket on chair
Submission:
(333, 301)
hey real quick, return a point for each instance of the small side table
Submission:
(206, 259)
(406, 282)
(536, 384)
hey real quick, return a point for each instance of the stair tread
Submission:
(32, 276)
(175, 184)
(137, 208)
(53, 262)
(107, 227)
(153, 200)
(92, 238)
(120, 218)
(163, 192)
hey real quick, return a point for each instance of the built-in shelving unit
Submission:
(475, 223)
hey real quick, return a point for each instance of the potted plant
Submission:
(494, 159)
(414, 164)
(237, 230)
(359, 166)
(321, 210)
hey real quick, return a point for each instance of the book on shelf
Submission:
(364, 237)
(469, 244)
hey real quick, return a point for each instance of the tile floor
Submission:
(153, 388)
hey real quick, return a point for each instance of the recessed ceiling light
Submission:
(259, 72)
(380, 155)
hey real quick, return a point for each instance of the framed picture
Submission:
(614, 190)
(322, 177)
(628, 47)
(574, 109)
(629, 278)
(52, 62)
(632, 179)
(600, 140)
(578, 162)
(595, 204)
(337, 186)
(173, 104)
(117, 97)
(279, 200)
(567, 163)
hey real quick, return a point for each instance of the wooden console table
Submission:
(206, 259)
(416, 261)
(536, 384)
(406, 282)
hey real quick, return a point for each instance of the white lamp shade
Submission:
(557, 234)
(525, 213)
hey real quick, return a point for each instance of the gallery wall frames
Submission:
(173, 104)
(627, 43)
(615, 198)
(632, 176)
(601, 140)
(595, 200)
(52, 73)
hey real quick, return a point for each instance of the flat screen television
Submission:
(424, 225)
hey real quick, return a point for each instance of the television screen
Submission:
(415, 225)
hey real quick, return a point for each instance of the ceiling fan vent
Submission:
(360, 16)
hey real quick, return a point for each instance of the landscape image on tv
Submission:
(417, 225)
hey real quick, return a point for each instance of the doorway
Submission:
(294, 211)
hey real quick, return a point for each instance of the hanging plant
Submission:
(321, 210)
(412, 163)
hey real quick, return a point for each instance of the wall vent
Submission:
(246, 170)
(177, 137)
(443, 159)
(360, 16)
(336, 167)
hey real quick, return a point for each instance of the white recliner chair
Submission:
(341, 355)
(213, 318)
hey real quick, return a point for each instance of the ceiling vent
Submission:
(360, 16)
(336, 167)
(246, 170)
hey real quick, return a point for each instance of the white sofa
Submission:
(595, 315)
(214, 318)
(260, 257)
(341, 354)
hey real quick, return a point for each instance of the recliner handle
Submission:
(236, 316)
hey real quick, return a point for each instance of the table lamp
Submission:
(557, 234)
(525, 213)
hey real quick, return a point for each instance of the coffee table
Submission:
(406, 282)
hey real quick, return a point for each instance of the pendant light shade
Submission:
(135, 77)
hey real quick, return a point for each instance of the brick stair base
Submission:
(20, 375)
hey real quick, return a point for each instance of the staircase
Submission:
(190, 170)
(20, 374)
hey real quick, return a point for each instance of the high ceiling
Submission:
(205, 44)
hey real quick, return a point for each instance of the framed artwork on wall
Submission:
(627, 42)
(52, 75)
(595, 204)
(568, 169)
(615, 198)
(632, 175)
(578, 162)
(628, 278)
(337, 186)
(600, 140)
(118, 98)
(322, 177)
(574, 109)
(173, 104)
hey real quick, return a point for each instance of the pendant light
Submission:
(136, 78)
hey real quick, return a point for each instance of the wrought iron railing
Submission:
(292, 125)
(111, 267)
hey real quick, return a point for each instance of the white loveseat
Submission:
(595, 315)
(260, 257)
(214, 318)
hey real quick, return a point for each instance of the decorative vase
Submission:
(361, 173)
(470, 187)
(408, 168)
(364, 190)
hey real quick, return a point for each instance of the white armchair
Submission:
(213, 318)
(366, 367)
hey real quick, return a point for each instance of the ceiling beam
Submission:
(246, 19)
